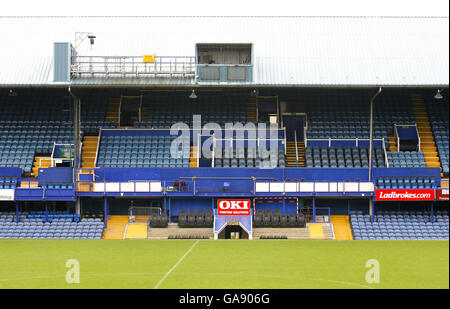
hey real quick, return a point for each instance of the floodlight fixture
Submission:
(193, 95)
(438, 95)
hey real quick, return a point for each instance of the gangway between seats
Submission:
(136, 231)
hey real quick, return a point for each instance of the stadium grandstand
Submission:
(258, 128)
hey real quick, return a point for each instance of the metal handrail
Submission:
(198, 149)
(132, 65)
(385, 154)
(397, 137)
(296, 149)
(213, 154)
(418, 136)
(226, 65)
(98, 147)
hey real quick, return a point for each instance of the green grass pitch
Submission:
(227, 264)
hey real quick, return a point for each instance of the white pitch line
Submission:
(175, 266)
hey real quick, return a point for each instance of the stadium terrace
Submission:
(277, 128)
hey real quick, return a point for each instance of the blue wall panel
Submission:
(10, 172)
(233, 174)
(362, 205)
(337, 206)
(176, 204)
(290, 205)
(55, 175)
(407, 133)
(126, 174)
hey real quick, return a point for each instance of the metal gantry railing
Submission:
(167, 66)
(385, 154)
(397, 137)
(418, 138)
(296, 148)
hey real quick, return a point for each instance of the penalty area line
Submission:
(175, 266)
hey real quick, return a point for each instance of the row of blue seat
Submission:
(57, 186)
(406, 183)
(335, 117)
(389, 227)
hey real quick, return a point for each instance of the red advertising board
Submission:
(233, 207)
(441, 194)
(404, 195)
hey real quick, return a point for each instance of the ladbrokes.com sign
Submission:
(405, 195)
(233, 207)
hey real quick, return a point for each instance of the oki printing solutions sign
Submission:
(405, 195)
(233, 207)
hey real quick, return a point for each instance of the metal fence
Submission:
(132, 66)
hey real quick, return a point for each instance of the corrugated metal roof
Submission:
(297, 51)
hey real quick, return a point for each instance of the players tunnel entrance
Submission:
(233, 231)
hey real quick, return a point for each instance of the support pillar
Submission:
(314, 209)
(76, 129)
(164, 204)
(432, 213)
(78, 207)
(105, 205)
(17, 212)
(46, 211)
(371, 132)
(165, 207)
(170, 210)
(373, 212)
(371, 209)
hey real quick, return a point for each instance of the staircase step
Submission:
(89, 151)
(430, 154)
(88, 165)
(427, 144)
(428, 149)
(40, 162)
(426, 135)
(431, 159)
(29, 184)
(112, 112)
(193, 161)
(433, 164)
(341, 227)
(426, 139)
(136, 231)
